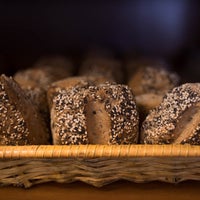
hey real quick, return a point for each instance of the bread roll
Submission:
(94, 114)
(20, 123)
(176, 120)
(149, 84)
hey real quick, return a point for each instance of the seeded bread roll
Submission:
(68, 84)
(176, 120)
(20, 123)
(110, 68)
(150, 84)
(89, 114)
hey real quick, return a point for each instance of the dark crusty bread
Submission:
(85, 113)
(176, 120)
(66, 85)
(20, 123)
(111, 115)
(149, 84)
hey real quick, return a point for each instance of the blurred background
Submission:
(166, 29)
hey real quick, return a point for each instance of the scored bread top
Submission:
(72, 107)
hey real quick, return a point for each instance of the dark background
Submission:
(167, 29)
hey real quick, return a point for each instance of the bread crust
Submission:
(149, 84)
(21, 124)
(176, 120)
(77, 111)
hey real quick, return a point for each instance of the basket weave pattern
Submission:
(98, 165)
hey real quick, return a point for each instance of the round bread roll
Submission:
(89, 114)
(20, 123)
(176, 120)
(149, 84)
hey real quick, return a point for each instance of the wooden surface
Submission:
(119, 190)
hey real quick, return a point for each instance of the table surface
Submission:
(118, 190)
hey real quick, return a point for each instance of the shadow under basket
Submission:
(98, 165)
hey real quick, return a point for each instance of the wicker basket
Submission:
(98, 165)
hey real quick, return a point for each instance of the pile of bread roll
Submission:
(106, 101)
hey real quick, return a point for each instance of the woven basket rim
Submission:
(93, 151)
